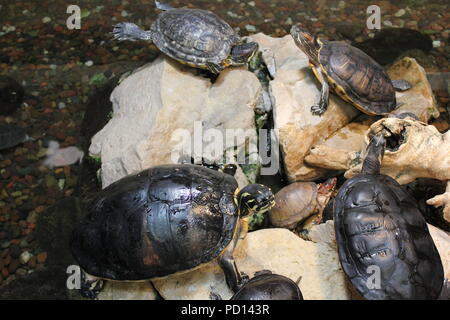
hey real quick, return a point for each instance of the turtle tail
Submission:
(375, 153)
(129, 31)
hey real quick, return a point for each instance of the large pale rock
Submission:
(114, 290)
(157, 108)
(277, 250)
(418, 100)
(293, 91)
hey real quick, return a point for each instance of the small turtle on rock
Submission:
(384, 244)
(198, 38)
(299, 201)
(268, 286)
(11, 136)
(166, 220)
(352, 75)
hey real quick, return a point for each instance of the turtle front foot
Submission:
(318, 110)
(90, 287)
(442, 201)
(129, 31)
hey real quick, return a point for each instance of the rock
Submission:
(277, 250)
(333, 154)
(418, 100)
(25, 257)
(41, 257)
(155, 124)
(293, 91)
(128, 291)
(11, 95)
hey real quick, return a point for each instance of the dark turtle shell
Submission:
(11, 136)
(162, 221)
(269, 286)
(357, 78)
(380, 228)
(193, 36)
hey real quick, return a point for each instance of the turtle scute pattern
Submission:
(378, 224)
(364, 81)
(162, 221)
(196, 36)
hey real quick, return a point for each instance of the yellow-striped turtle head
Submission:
(255, 198)
(308, 43)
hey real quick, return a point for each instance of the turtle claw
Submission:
(318, 110)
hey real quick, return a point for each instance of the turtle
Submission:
(384, 243)
(11, 136)
(194, 37)
(165, 220)
(352, 75)
(268, 286)
(300, 200)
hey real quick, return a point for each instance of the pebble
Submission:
(41, 257)
(5, 245)
(46, 19)
(250, 28)
(436, 44)
(89, 63)
(400, 13)
(61, 105)
(21, 272)
(25, 257)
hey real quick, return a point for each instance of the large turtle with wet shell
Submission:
(198, 38)
(165, 220)
(351, 74)
(384, 244)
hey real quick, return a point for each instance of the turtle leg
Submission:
(226, 261)
(129, 31)
(324, 96)
(214, 68)
(90, 286)
(401, 85)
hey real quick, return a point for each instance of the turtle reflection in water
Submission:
(352, 74)
(380, 228)
(194, 37)
(166, 220)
